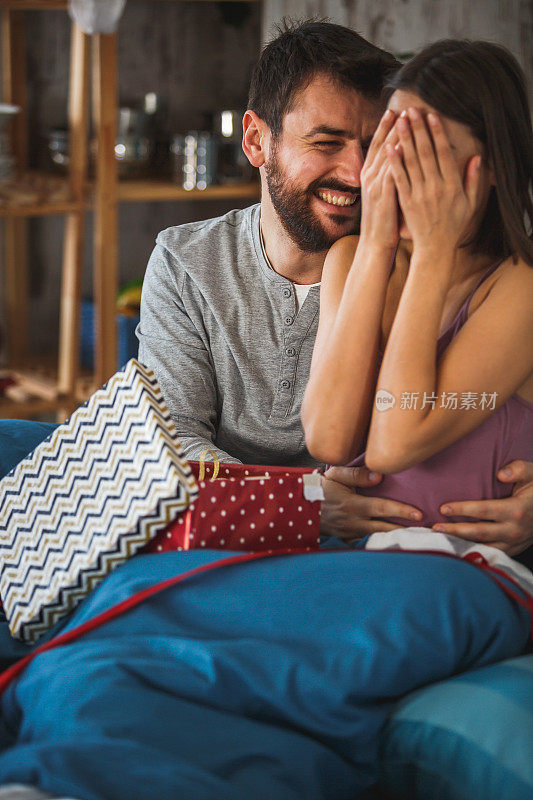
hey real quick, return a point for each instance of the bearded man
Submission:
(230, 305)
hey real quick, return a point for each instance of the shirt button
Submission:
(287, 293)
(290, 351)
(289, 320)
(285, 384)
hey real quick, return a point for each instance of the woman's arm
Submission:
(338, 398)
(337, 402)
(491, 356)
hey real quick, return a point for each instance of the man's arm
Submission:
(507, 524)
(177, 351)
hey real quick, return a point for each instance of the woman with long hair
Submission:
(423, 363)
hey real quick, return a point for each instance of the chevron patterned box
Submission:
(87, 498)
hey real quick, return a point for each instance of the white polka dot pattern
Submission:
(249, 508)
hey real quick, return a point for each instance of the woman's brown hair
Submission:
(481, 85)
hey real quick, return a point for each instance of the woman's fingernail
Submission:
(414, 515)
(388, 113)
(439, 528)
(507, 472)
(373, 476)
(404, 113)
(414, 113)
(432, 119)
(446, 510)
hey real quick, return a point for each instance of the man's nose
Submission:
(350, 164)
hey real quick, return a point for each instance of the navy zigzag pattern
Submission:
(95, 491)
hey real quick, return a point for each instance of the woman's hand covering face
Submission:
(438, 205)
(379, 222)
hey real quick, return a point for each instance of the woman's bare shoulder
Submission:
(512, 278)
(343, 249)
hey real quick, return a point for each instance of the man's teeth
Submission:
(336, 200)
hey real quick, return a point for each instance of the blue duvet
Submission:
(268, 680)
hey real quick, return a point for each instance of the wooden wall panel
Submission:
(404, 26)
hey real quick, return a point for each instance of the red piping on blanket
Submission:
(476, 559)
(130, 602)
(496, 574)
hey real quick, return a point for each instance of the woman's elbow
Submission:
(385, 460)
(326, 440)
(324, 448)
(325, 454)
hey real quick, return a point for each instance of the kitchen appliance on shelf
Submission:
(134, 144)
(7, 160)
(232, 165)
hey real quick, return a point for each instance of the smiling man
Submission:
(230, 305)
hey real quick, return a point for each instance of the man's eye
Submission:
(328, 143)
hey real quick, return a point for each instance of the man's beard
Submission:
(293, 207)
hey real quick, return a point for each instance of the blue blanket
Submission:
(265, 680)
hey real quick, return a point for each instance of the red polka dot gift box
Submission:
(247, 507)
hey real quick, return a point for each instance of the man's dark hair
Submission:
(302, 50)
(481, 85)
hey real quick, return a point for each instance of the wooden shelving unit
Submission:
(155, 191)
(33, 194)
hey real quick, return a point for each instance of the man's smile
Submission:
(336, 198)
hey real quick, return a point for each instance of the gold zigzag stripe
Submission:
(88, 542)
(73, 596)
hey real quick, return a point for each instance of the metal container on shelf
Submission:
(199, 160)
(134, 144)
(7, 161)
(232, 165)
(177, 154)
(133, 147)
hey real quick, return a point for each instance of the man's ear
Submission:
(255, 138)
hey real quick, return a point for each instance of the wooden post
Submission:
(105, 104)
(13, 47)
(69, 332)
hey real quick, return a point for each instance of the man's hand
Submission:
(351, 516)
(507, 524)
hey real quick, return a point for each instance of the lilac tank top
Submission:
(466, 469)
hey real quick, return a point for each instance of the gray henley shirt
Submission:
(220, 329)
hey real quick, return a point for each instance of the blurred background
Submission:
(182, 70)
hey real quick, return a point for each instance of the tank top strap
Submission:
(462, 314)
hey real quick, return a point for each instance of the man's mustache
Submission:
(334, 185)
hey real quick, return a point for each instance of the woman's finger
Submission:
(424, 147)
(446, 161)
(410, 156)
(403, 187)
(382, 131)
(472, 176)
(373, 167)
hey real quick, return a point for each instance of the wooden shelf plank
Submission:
(41, 210)
(151, 190)
(62, 5)
(128, 191)
(34, 5)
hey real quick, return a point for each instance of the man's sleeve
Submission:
(171, 345)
